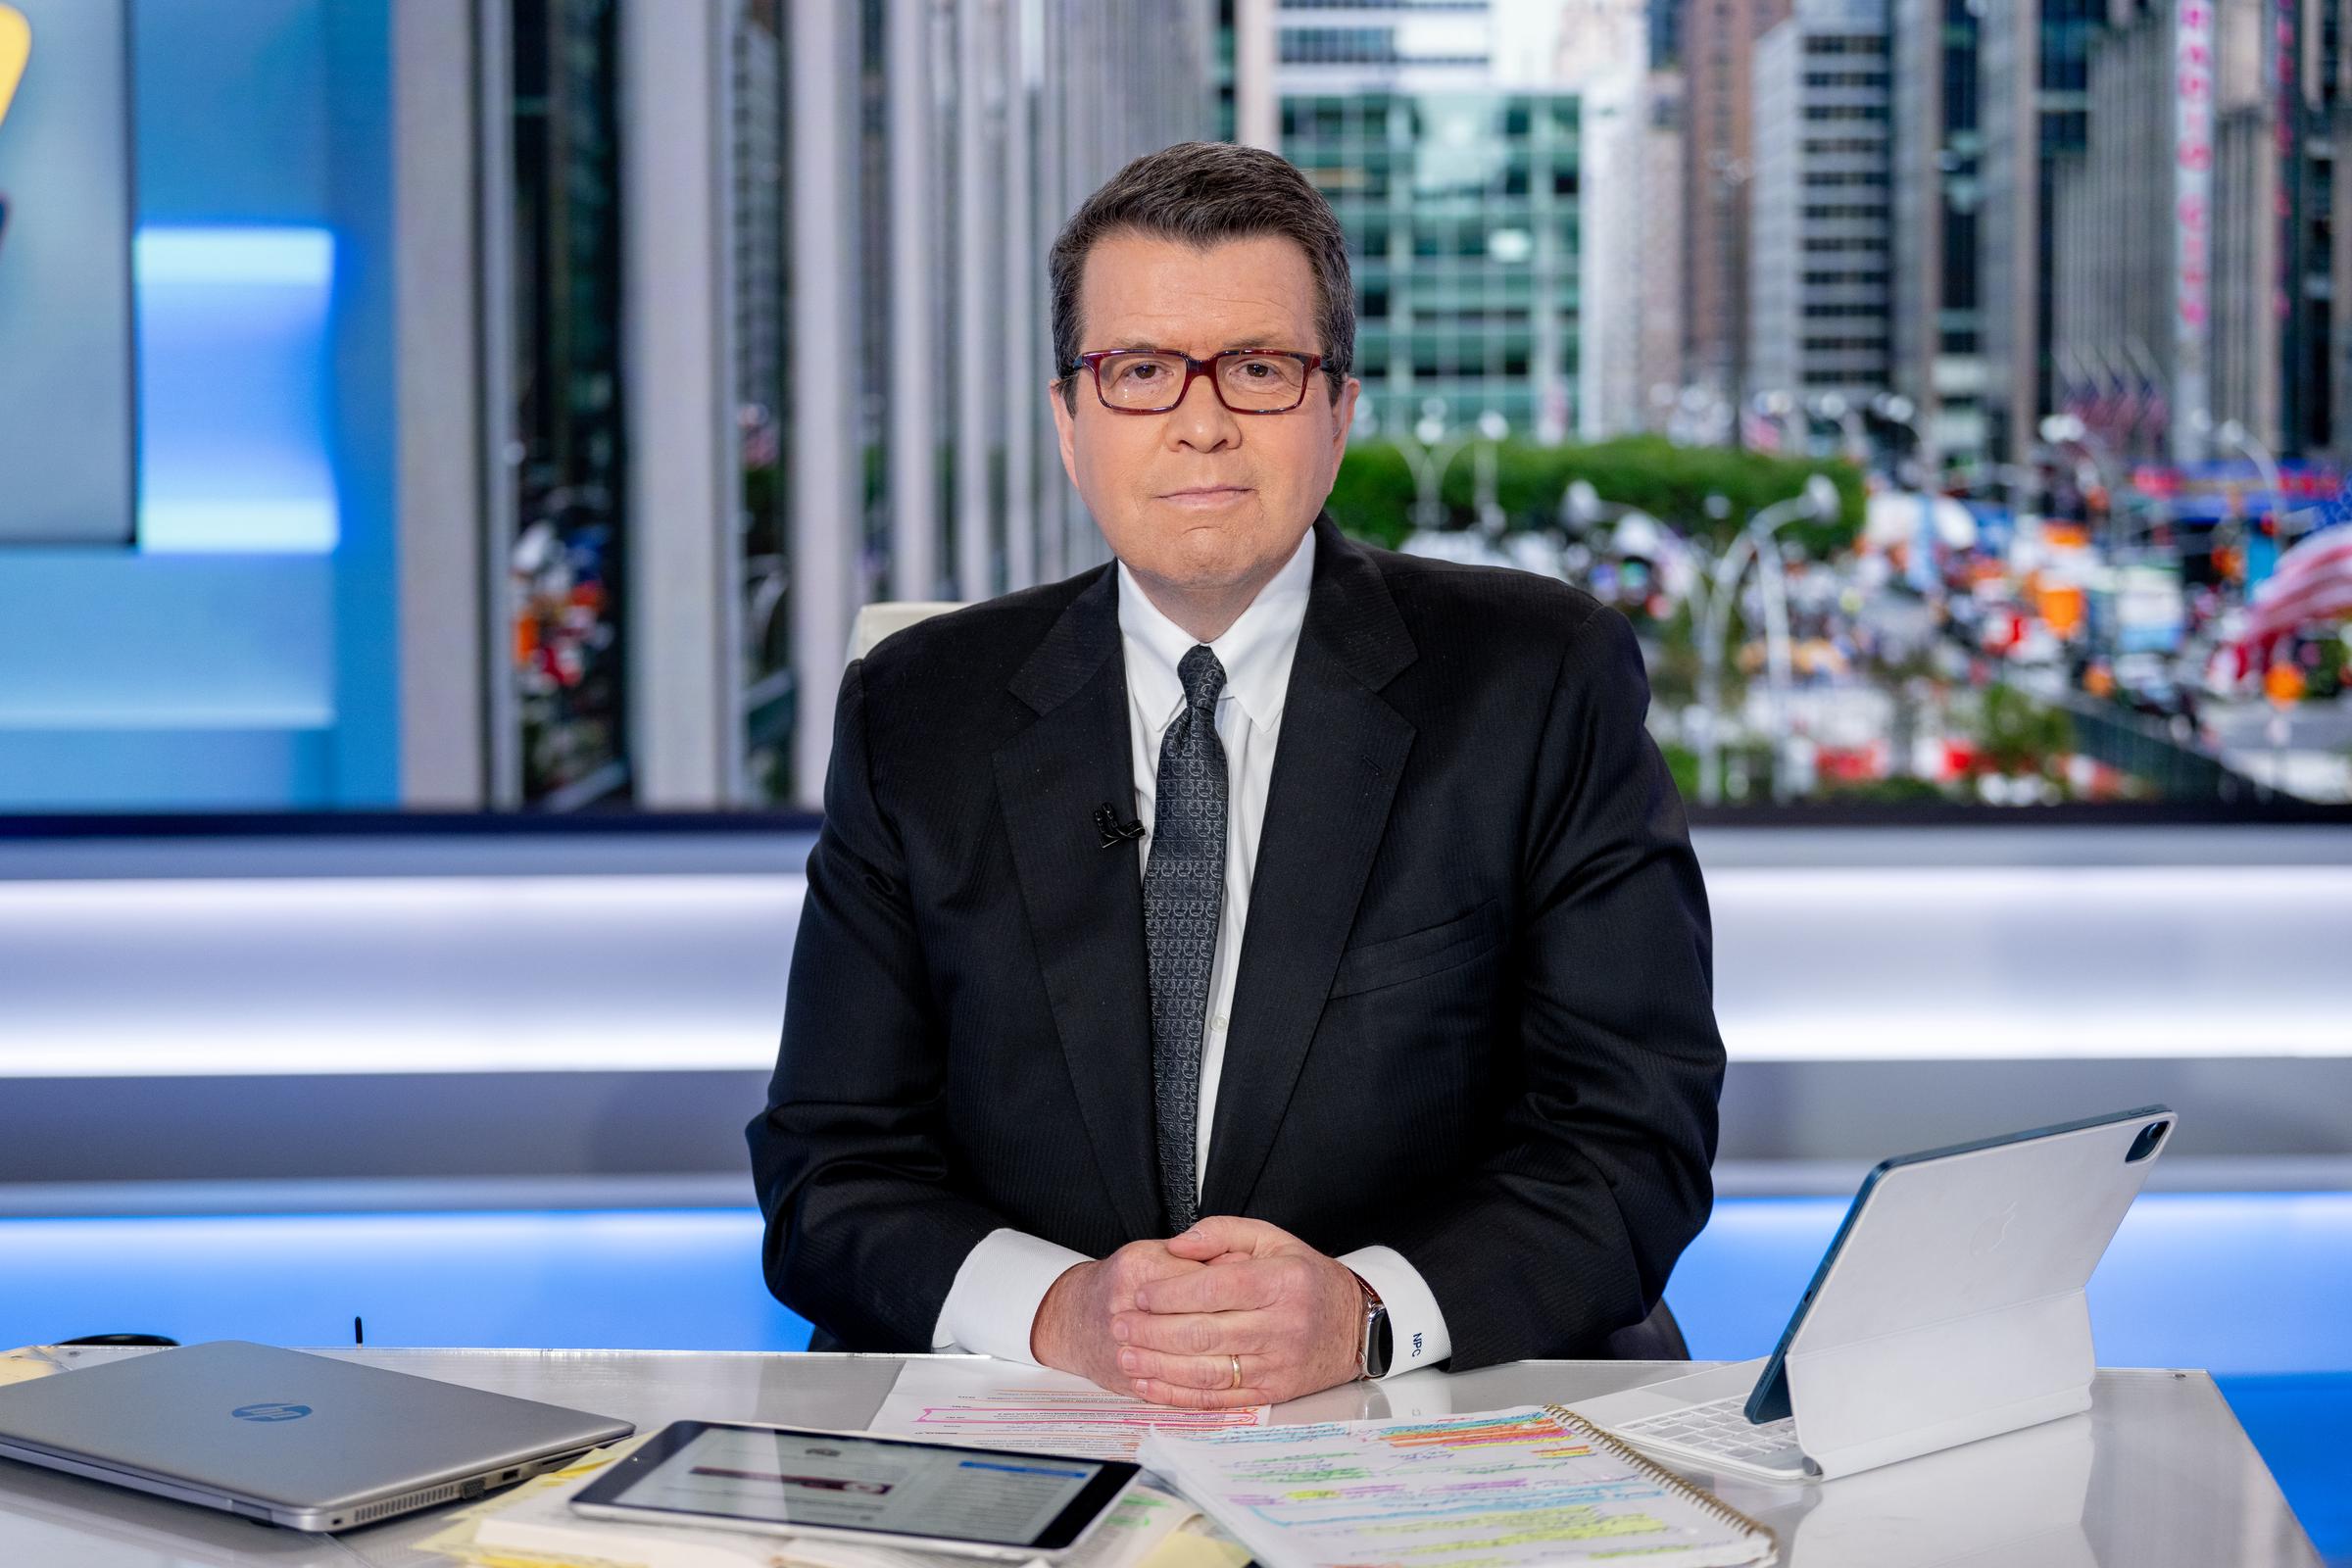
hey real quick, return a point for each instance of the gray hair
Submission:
(1203, 193)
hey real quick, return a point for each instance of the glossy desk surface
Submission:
(2158, 1472)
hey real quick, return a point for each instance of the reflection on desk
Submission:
(2017, 1501)
(2157, 1474)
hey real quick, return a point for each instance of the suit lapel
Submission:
(1336, 770)
(1085, 903)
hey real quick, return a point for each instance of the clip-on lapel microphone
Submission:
(1114, 831)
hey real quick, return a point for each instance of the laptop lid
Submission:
(302, 1440)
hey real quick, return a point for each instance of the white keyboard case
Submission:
(1952, 1305)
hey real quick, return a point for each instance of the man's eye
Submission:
(1140, 372)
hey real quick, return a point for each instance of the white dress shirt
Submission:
(993, 1301)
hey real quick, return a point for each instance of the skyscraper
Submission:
(1819, 251)
(2167, 236)
(2312, 97)
(1665, 290)
(1936, 300)
(1603, 54)
(1718, 42)
(1458, 184)
(2033, 100)
(1610, 397)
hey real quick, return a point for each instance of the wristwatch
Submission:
(1373, 1353)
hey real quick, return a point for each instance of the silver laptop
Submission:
(302, 1440)
(1949, 1307)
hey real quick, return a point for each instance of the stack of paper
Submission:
(994, 1405)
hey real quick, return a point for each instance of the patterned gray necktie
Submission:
(1184, 884)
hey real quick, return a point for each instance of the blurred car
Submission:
(2146, 684)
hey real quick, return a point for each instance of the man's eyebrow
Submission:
(1264, 340)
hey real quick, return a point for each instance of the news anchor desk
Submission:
(2158, 1473)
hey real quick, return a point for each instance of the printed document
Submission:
(1509, 1487)
(994, 1405)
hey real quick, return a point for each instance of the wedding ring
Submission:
(1237, 1371)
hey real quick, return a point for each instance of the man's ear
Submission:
(1065, 427)
(1342, 414)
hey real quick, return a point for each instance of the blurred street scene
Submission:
(1949, 392)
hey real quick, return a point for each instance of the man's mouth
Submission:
(1206, 495)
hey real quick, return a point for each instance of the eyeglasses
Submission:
(1155, 380)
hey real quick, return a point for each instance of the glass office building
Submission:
(1460, 195)
(1461, 217)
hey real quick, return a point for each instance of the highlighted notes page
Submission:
(1493, 1490)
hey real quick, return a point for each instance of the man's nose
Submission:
(1200, 420)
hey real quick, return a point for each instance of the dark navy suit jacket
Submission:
(1472, 1019)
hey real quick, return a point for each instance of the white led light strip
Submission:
(452, 974)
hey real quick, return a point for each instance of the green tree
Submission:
(2018, 735)
(1373, 497)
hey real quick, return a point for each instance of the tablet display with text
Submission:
(879, 1490)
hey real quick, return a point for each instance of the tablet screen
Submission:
(842, 1482)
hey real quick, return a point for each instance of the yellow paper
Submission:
(16, 47)
(1189, 1549)
(456, 1539)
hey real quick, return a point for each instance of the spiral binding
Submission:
(1706, 1503)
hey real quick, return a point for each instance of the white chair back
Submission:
(877, 621)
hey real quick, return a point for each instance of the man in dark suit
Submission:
(1262, 962)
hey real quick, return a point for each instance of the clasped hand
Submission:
(1170, 1320)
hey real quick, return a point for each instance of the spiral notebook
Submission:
(1533, 1484)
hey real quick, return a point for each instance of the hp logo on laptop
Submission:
(271, 1412)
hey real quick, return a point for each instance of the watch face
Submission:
(1378, 1343)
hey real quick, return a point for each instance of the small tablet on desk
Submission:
(984, 1502)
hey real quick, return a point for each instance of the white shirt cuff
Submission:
(1416, 1327)
(992, 1305)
